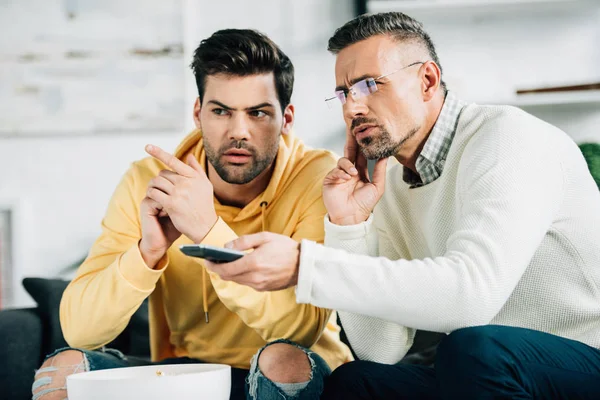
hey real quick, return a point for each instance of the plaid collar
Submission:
(430, 161)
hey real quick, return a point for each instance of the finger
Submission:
(162, 183)
(193, 162)
(216, 268)
(362, 167)
(153, 207)
(248, 242)
(339, 174)
(347, 166)
(333, 177)
(351, 146)
(379, 172)
(158, 196)
(229, 271)
(171, 176)
(170, 160)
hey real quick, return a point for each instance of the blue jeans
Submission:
(486, 362)
(245, 384)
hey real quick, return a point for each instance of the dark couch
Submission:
(28, 335)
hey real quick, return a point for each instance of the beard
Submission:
(240, 174)
(381, 145)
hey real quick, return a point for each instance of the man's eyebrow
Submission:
(251, 108)
(353, 81)
(261, 105)
(218, 103)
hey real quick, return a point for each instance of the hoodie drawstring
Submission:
(204, 295)
(263, 208)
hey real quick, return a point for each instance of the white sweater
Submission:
(509, 234)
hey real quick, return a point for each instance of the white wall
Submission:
(62, 186)
(82, 66)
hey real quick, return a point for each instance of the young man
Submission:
(487, 230)
(241, 172)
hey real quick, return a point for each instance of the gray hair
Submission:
(397, 25)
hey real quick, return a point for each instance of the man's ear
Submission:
(288, 119)
(197, 109)
(431, 80)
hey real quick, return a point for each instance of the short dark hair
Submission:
(397, 25)
(243, 52)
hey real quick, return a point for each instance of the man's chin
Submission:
(235, 178)
(374, 154)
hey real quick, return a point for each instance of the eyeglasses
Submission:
(364, 87)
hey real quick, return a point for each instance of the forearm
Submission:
(372, 339)
(356, 239)
(396, 291)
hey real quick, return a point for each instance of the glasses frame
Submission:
(369, 83)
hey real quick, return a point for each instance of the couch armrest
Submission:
(20, 351)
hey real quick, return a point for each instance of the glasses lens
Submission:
(371, 85)
(364, 87)
(341, 95)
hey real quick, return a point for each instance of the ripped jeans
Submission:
(249, 385)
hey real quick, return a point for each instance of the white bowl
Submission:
(178, 381)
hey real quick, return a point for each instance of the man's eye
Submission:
(219, 111)
(258, 113)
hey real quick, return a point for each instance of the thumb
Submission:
(379, 171)
(350, 147)
(248, 242)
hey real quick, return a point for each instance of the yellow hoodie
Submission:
(114, 280)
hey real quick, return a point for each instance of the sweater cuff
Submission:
(308, 252)
(134, 270)
(219, 234)
(347, 232)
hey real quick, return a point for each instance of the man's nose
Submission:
(239, 128)
(355, 107)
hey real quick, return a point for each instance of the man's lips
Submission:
(237, 152)
(237, 156)
(363, 131)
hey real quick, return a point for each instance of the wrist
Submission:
(294, 278)
(150, 257)
(203, 230)
(349, 220)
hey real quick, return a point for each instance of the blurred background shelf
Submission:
(427, 9)
(583, 97)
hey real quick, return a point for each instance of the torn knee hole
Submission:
(52, 377)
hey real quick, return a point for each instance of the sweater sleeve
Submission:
(371, 338)
(507, 198)
(113, 281)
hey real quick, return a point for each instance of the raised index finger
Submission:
(351, 147)
(170, 160)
